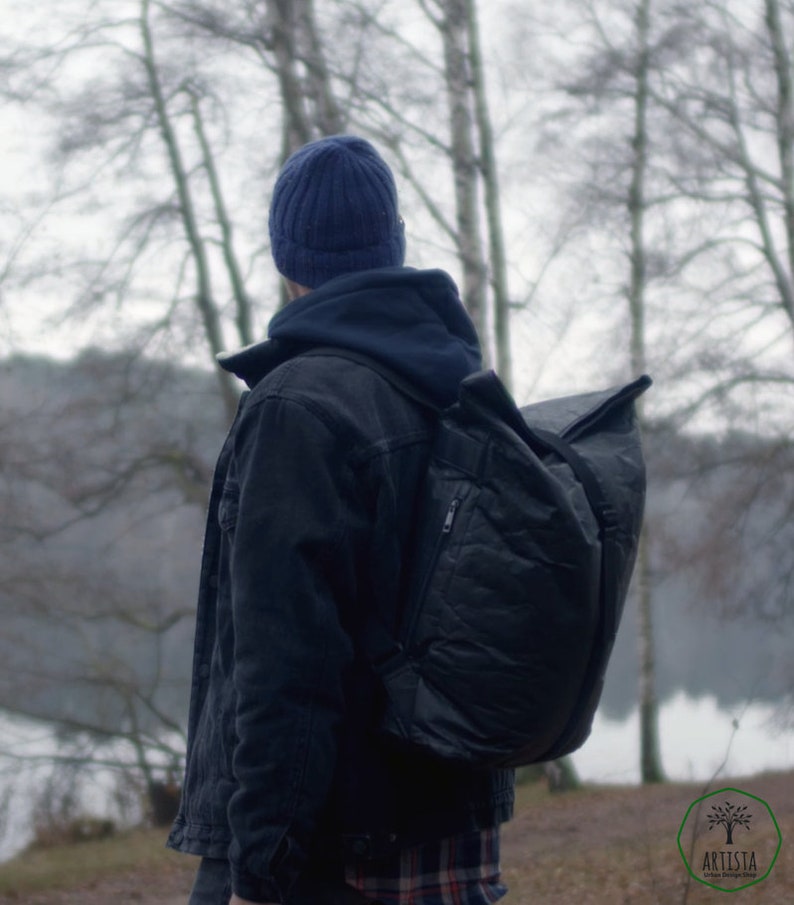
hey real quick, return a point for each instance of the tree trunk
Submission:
(785, 136)
(282, 21)
(243, 320)
(561, 775)
(204, 299)
(650, 760)
(454, 32)
(493, 208)
(327, 112)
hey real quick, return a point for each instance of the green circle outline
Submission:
(711, 795)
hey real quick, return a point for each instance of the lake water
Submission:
(698, 742)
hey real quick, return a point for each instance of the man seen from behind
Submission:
(290, 794)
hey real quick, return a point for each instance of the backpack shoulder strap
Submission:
(405, 386)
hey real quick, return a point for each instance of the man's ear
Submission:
(295, 290)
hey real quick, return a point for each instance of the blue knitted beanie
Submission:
(334, 211)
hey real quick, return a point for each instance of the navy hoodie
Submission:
(413, 321)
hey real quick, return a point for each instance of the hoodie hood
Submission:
(412, 321)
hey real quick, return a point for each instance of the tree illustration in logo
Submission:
(730, 817)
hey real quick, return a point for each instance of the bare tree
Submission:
(95, 583)
(472, 155)
(163, 119)
(285, 38)
(451, 19)
(204, 296)
(704, 176)
(650, 756)
(493, 205)
(617, 77)
(732, 108)
(732, 111)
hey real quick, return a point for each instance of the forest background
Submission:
(611, 183)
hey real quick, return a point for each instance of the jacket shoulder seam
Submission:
(367, 451)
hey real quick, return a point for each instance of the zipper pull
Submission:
(453, 508)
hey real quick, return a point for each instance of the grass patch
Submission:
(67, 866)
(607, 845)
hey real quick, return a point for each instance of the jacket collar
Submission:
(254, 362)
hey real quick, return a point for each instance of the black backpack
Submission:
(528, 531)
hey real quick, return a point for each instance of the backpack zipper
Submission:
(451, 512)
(406, 637)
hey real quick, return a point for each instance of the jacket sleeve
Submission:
(293, 562)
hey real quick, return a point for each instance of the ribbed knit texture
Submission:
(334, 211)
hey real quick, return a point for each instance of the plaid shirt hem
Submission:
(459, 870)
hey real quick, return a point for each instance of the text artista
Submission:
(719, 861)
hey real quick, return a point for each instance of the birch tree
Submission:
(473, 161)
(625, 185)
(95, 586)
(706, 186)
(492, 199)
(732, 107)
(730, 102)
(650, 756)
(147, 159)
(145, 149)
(452, 22)
(165, 125)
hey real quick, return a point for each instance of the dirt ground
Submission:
(169, 887)
(607, 846)
(619, 847)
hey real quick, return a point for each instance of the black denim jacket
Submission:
(310, 512)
